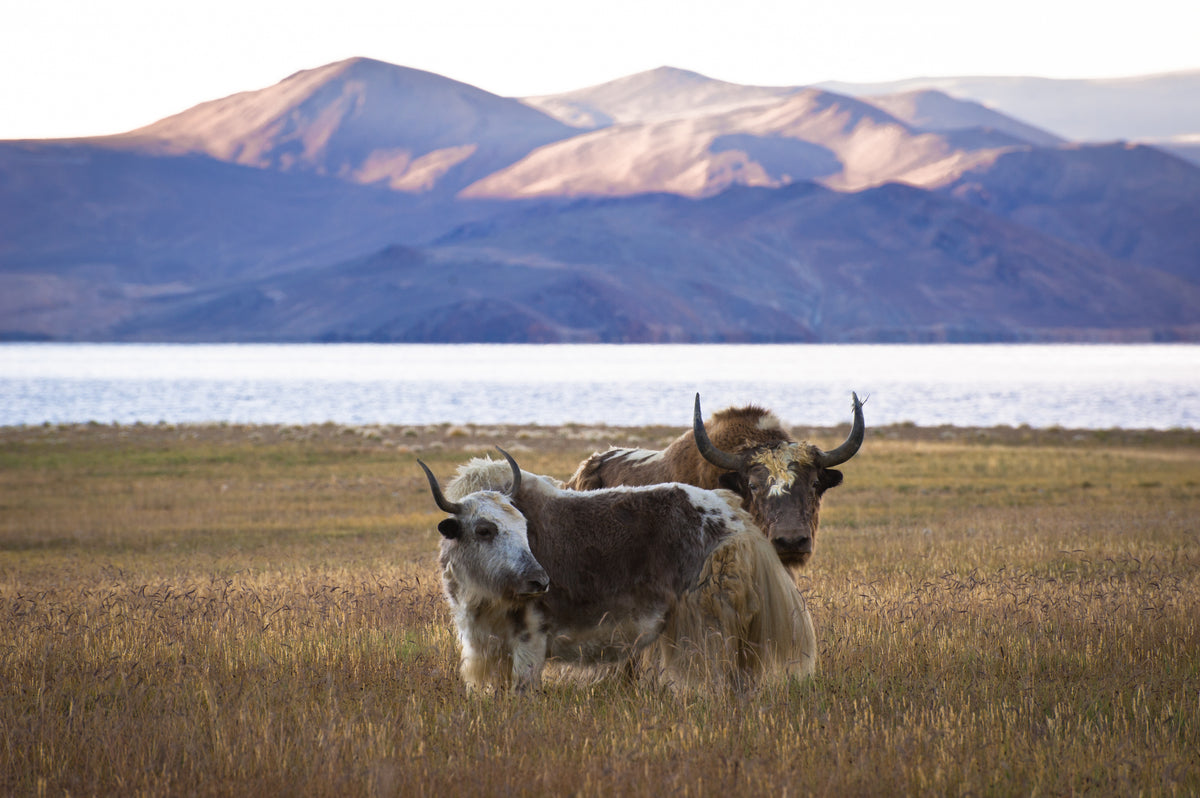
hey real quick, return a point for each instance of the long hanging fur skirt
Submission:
(744, 624)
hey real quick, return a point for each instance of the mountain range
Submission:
(363, 201)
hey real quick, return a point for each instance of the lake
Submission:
(1074, 386)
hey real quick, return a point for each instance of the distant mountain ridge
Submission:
(367, 201)
(805, 135)
(654, 96)
(1139, 108)
(365, 122)
(935, 111)
(925, 268)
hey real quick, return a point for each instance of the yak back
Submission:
(618, 549)
(734, 429)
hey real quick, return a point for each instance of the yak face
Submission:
(780, 481)
(781, 487)
(485, 551)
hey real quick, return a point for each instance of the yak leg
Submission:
(529, 652)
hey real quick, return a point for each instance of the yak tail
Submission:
(743, 624)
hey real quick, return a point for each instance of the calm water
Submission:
(1087, 386)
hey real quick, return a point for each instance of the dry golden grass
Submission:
(235, 610)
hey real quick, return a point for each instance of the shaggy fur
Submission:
(671, 576)
(780, 485)
(743, 621)
(734, 429)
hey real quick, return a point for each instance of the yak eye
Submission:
(485, 530)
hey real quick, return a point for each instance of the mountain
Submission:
(366, 201)
(362, 121)
(90, 231)
(1185, 147)
(657, 95)
(328, 164)
(1131, 202)
(800, 263)
(667, 94)
(1148, 108)
(808, 135)
(937, 112)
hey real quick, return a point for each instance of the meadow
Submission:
(225, 610)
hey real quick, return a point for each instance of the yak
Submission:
(745, 450)
(669, 581)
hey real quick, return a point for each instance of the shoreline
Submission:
(420, 437)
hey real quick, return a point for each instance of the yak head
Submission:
(485, 545)
(781, 482)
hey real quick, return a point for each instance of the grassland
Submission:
(255, 610)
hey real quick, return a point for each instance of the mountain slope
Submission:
(1146, 107)
(800, 263)
(936, 111)
(665, 94)
(654, 96)
(1129, 202)
(810, 135)
(365, 122)
(90, 231)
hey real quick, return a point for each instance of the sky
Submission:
(85, 67)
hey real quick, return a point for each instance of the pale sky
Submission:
(91, 67)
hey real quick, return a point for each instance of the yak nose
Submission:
(797, 544)
(537, 585)
(537, 581)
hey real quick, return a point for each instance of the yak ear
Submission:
(830, 478)
(732, 480)
(450, 528)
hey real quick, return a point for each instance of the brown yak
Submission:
(746, 450)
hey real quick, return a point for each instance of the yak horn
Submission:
(516, 469)
(451, 507)
(853, 441)
(725, 460)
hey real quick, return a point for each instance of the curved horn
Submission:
(725, 460)
(451, 507)
(516, 469)
(853, 441)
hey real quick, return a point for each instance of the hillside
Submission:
(363, 121)
(936, 111)
(1130, 202)
(660, 94)
(838, 141)
(797, 264)
(1137, 108)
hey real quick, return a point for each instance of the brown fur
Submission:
(732, 429)
(787, 512)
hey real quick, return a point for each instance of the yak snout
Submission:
(534, 579)
(537, 585)
(793, 549)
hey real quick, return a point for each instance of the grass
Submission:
(217, 610)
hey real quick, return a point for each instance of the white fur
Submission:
(482, 581)
(643, 456)
(769, 421)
